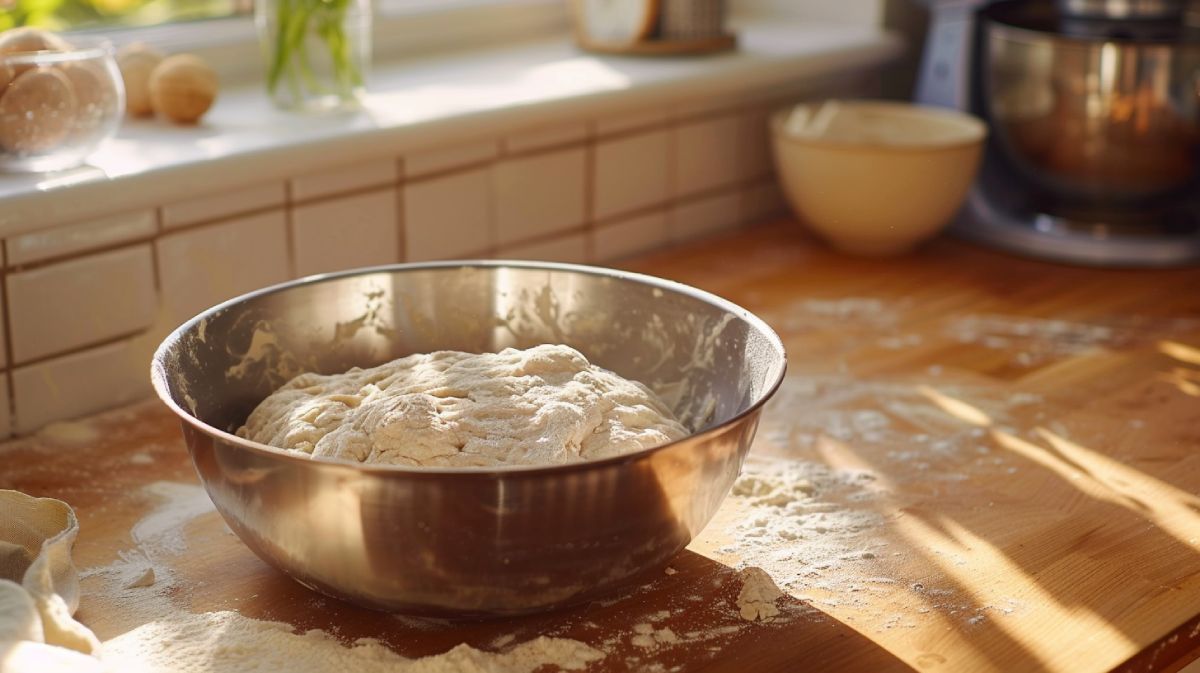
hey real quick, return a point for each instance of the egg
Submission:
(136, 62)
(182, 88)
(37, 112)
(24, 40)
(6, 76)
(96, 95)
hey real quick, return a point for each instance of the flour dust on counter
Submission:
(821, 486)
(895, 323)
(158, 632)
(166, 637)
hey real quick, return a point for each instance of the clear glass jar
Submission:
(317, 52)
(57, 107)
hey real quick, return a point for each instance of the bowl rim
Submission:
(83, 48)
(979, 128)
(158, 374)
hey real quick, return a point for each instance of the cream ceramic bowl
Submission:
(876, 178)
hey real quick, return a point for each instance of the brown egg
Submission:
(37, 112)
(25, 40)
(182, 88)
(6, 76)
(95, 94)
(136, 62)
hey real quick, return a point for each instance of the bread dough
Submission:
(19, 618)
(36, 537)
(542, 406)
(26, 656)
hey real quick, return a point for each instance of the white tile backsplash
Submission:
(630, 236)
(201, 267)
(448, 216)
(539, 195)
(631, 121)
(345, 179)
(78, 384)
(705, 216)
(631, 173)
(704, 107)
(571, 248)
(706, 154)
(345, 233)
(549, 136)
(62, 306)
(81, 236)
(581, 190)
(225, 204)
(435, 161)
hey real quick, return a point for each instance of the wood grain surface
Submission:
(1031, 434)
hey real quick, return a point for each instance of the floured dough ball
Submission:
(182, 88)
(37, 111)
(136, 62)
(543, 406)
(26, 40)
(19, 618)
(30, 657)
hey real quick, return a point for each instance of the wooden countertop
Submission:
(1030, 436)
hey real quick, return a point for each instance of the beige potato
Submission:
(182, 88)
(37, 112)
(136, 62)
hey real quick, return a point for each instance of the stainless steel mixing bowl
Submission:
(1103, 110)
(458, 541)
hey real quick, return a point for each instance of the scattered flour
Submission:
(145, 579)
(757, 600)
(69, 432)
(170, 639)
(162, 530)
(796, 528)
(226, 642)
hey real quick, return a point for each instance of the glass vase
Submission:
(317, 52)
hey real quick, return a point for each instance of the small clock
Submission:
(616, 21)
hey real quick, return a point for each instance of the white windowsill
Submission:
(419, 103)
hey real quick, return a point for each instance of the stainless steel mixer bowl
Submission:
(470, 541)
(1106, 111)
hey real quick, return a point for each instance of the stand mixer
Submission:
(1094, 111)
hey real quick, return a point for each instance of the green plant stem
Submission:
(325, 20)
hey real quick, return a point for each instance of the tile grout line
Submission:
(401, 223)
(289, 233)
(379, 186)
(155, 263)
(493, 224)
(80, 254)
(672, 181)
(589, 196)
(76, 350)
(224, 219)
(10, 366)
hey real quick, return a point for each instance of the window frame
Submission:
(399, 27)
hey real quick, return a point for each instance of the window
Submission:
(85, 14)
